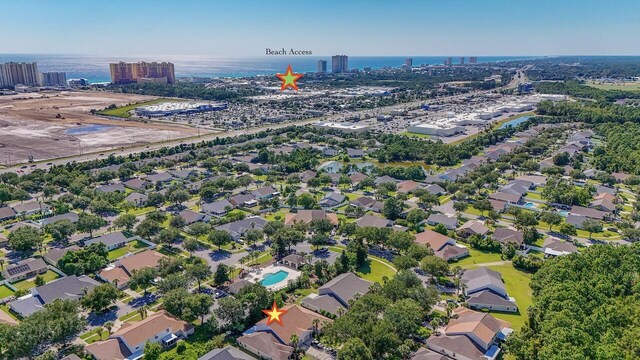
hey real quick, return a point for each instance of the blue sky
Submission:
(228, 28)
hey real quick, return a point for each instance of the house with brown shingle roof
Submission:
(472, 336)
(120, 272)
(443, 246)
(407, 186)
(337, 294)
(271, 341)
(130, 339)
(306, 216)
(472, 227)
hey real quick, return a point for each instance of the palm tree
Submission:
(2, 263)
(435, 322)
(143, 311)
(449, 308)
(294, 343)
(109, 325)
(315, 322)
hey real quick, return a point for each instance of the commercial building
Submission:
(435, 129)
(339, 63)
(177, 108)
(14, 73)
(322, 66)
(345, 126)
(78, 82)
(125, 73)
(473, 60)
(54, 79)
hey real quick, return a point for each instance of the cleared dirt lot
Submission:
(58, 124)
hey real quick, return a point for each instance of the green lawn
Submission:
(132, 316)
(132, 246)
(374, 270)
(415, 135)
(123, 111)
(534, 196)
(626, 86)
(5, 291)
(517, 284)
(477, 257)
(29, 283)
(93, 336)
(5, 308)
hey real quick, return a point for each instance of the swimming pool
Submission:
(274, 278)
(530, 205)
(564, 213)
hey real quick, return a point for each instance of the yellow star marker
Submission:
(289, 79)
(274, 314)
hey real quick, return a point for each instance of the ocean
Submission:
(96, 68)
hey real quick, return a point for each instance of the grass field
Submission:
(123, 111)
(29, 283)
(375, 270)
(132, 246)
(414, 135)
(477, 257)
(627, 86)
(5, 291)
(517, 284)
(93, 335)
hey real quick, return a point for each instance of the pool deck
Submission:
(257, 275)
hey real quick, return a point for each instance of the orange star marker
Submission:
(275, 313)
(289, 79)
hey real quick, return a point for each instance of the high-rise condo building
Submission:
(13, 73)
(408, 62)
(54, 79)
(322, 66)
(125, 73)
(339, 63)
(473, 59)
(461, 60)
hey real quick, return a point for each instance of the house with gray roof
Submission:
(112, 241)
(227, 353)
(191, 216)
(32, 208)
(71, 216)
(384, 179)
(335, 296)
(449, 222)
(136, 184)
(368, 220)
(355, 153)
(111, 188)
(6, 213)
(332, 200)
(70, 287)
(53, 255)
(485, 289)
(435, 189)
(24, 269)
(217, 208)
(504, 236)
(266, 192)
(161, 178)
(368, 204)
(237, 229)
(138, 199)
